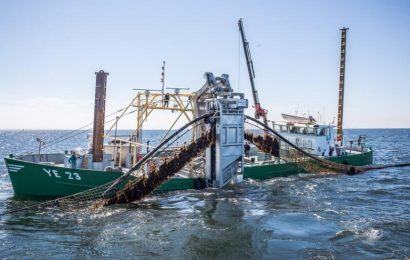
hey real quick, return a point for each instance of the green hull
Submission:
(263, 172)
(38, 180)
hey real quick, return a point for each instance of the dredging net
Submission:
(282, 151)
(273, 143)
(138, 188)
(140, 183)
(159, 165)
(143, 178)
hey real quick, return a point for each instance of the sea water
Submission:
(348, 217)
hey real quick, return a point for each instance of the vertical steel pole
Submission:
(138, 136)
(339, 136)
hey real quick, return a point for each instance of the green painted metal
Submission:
(41, 180)
(268, 171)
(177, 184)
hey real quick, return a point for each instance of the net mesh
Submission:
(159, 165)
(140, 180)
(271, 142)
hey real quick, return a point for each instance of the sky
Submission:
(49, 51)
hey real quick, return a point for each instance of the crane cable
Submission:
(66, 136)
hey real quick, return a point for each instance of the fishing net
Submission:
(136, 189)
(143, 178)
(274, 143)
(160, 164)
(276, 146)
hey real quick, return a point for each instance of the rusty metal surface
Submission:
(339, 135)
(99, 116)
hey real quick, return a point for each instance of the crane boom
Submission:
(259, 111)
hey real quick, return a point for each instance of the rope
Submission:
(89, 124)
(136, 184)
(75, 132)
(139, 188)
(108, 191)
(153, 151)
(348, 169)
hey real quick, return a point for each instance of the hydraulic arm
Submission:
(259, 111)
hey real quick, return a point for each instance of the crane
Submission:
(259, 111)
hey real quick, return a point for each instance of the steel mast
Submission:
(99, 116)
(339, 135)
(259, 111)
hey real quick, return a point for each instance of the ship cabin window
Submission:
(310, 131)
(293, 129)
(322, 132)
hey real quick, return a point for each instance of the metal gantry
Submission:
(150, 100)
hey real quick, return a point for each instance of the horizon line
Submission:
(165, 129)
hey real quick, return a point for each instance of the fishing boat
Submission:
(51, 175)
(316, 139)
(62, 174)
(47, 175)
(57, 174)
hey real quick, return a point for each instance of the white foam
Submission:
(373, 234)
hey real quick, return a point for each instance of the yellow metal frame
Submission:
(148, 101)
(145, 103)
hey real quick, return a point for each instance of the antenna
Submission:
(163, 81)
(177, 90)
(146, 89)
(40, 143)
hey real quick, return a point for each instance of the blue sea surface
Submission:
(365, 216)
